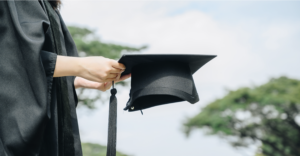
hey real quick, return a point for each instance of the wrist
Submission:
(67, 66)
(77, 68)
(77, 83)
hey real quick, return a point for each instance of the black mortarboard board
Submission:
(158, 79)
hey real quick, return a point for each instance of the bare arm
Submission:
(67, 66)
(91, 72)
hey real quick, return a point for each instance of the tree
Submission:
(90, 149)
(266, 114)
(88, 44)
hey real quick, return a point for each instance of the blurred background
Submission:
(249, 95)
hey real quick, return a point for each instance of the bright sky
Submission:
(254, 41)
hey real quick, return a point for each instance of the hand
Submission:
(100, 69)
(97, 69)
(80, 82)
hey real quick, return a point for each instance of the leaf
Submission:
(265, 114)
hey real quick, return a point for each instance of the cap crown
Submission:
(159, 79)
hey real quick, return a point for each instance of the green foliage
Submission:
(265, 114)
(90, 149)
(88, 43)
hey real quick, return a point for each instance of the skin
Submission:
(91, 72)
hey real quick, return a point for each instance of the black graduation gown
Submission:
(37, 112)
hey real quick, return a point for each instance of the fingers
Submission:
(112, 76)
(124, 77)
(107, 86)
(118, 77)
(110, 80)
(116, 70)
(104, 86)
(117, 65)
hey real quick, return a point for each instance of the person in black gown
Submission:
(39, 71)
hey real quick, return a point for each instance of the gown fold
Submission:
(29, 95)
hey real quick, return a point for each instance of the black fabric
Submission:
(194, 61)
(23, 87)
(112, 124)
(159, 79)
(2, 151)
(66, 145)
(49, 61)
(161, 83)
(29, 95)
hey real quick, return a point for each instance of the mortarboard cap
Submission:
(158, 79)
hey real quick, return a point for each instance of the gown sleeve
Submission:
(49, 62)
(24, 72)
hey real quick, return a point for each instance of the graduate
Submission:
(39, 72)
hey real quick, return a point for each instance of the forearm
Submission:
(97, 68)
(91, 72)
(67, 66)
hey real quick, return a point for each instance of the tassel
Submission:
(112, 123)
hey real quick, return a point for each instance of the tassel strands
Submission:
(112, 123)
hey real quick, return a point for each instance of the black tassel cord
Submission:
(112, 123)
